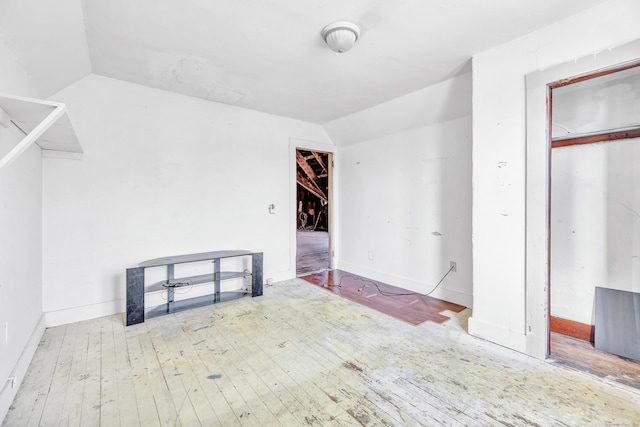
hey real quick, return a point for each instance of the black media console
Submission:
(136, 287)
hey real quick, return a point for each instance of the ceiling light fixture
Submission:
(341, 36)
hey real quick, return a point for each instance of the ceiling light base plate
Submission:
(341, 36)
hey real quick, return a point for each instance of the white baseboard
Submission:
(85, 312)
(93, 311)
(498, 334)
(280, 276)
(403, 282)
(8, 393)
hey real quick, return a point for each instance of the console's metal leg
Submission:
(216, 280)
(170, 288)
(135, 295)
(256, 274)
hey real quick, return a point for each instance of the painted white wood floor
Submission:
(300, 356)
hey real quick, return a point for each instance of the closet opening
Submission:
(594, 222)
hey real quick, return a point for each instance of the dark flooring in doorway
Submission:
(410, 307)
(582, 356)
(312, 251)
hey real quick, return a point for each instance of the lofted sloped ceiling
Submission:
(268, 55)
(48, 40)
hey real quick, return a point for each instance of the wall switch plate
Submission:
(453, 266)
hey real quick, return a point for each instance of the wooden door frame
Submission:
(581, 331)
(294, 145)
(538, 184)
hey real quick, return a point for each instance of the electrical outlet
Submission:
(453, 266)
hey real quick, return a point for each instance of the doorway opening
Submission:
(594, 224)
(313, 210)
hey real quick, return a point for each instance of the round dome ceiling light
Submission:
(341, 36)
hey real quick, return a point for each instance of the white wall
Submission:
(21, 324)
(595, 224)
(162, 174)
(506, 310)
(405, 197)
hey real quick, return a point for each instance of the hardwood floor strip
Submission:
(91, 378)
(393, 301)
(171, 369)
(46, 376)
(60, 383)
(220, 359)
(26, 410)
(204, 367)
(276, 356)
(277, 381)
(163, 402)
(126, 379)
(286, 376)
(71, 409)
(144, 399)
(241, 376)
(109, 398)
(185, 362)
(83, 371)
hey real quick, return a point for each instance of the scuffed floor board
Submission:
(581, 355)
(300, 356)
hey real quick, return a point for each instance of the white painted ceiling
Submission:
(268, 55)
